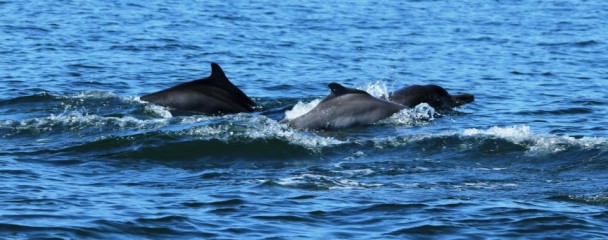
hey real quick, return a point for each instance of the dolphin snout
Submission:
(461, 99)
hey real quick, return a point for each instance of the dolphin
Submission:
(211, 95)
(345, 107)
(436, 96)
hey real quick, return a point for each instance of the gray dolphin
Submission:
(436, 96)
(343, 108)
(211, 95)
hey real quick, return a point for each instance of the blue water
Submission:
(81, 157)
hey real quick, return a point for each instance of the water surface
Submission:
(82, 157)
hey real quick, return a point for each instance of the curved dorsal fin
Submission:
(217, 72)
(339, 90)
(218, 78)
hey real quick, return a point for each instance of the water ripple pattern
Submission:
(82, 157)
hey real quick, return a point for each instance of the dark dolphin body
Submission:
(434, 95)
(212, 95)
(345, 107)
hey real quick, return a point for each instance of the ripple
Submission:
(81, 157)
(148, 228)
(392, 207)
(600, 199)
(26, 231)
(587, 43)
(566, 111)
(427, 229)
(221, 203)
(20, 173)
(285, 218)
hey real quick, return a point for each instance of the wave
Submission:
(77, 121)
(214, 150)
(599, 199)
(83, 113)
(40, 97)
(508, 138)
(320, 182)
(124, 127)
(523, 135)
(566, 111)
(584, 43)
(238, 136)
(145, 138)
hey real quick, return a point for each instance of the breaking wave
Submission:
(97, 121)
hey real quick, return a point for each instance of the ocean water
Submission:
(81, 157)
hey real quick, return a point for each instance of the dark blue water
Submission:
(82, 157)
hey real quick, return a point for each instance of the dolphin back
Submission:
(343, 108)
(218, 78)
(211, 95)
(434, 95)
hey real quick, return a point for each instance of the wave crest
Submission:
(523, 135)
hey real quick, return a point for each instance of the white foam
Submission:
(377, 89)
(208, 131)
(94, 95)
(421, 113)
(601, 198)
(485, 185)
(522, 134)
(158, 111)
(366, 171)
(78, 119)
(322, 181)
(301, 108)
(262, 127)
(516, 134)
(271, 128)
(357, 154)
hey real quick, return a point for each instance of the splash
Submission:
(158, 111)
(94, 95)
(422, 113)
(377, 89)
(599, 199)
(301, 108)
(522, 134)
(242, 126)
(323, 182)
(517, 134)
(77, 120)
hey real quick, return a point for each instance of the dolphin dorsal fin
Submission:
(218, 78)
(339, 90)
